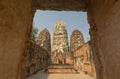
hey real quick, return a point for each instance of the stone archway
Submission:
(16, 20)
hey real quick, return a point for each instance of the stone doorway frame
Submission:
(15, 25)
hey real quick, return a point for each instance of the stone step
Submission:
(61, 69)
(60, 66)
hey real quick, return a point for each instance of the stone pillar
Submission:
(106, 38)
(95, 44)
(15, 24)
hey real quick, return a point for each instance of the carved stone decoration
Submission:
(60, 42)
(43, 40)
(76, 40)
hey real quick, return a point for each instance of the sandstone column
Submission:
(15, 24)
(106, 38)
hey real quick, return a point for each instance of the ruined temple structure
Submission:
(76, 40)
(60, 43)
(83, 59)
(43, 40)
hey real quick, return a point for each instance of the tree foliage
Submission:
(34, 32)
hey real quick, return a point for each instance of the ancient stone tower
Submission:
(76, 40)
(44, 40)
(60, 41)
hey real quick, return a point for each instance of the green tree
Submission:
(34, 32)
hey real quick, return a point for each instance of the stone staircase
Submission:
(61, 69)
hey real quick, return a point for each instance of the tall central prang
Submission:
(60, 43)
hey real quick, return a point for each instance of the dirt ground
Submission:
(42, 75)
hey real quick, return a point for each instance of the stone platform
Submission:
(56, 68)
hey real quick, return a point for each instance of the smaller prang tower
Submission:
(44, 40)
(76, 40)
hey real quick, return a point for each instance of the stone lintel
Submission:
(62, 5)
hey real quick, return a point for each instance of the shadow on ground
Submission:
(39, 75)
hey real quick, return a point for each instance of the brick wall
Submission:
(83, 59)
(36, 59)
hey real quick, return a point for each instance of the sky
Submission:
(73, 20)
